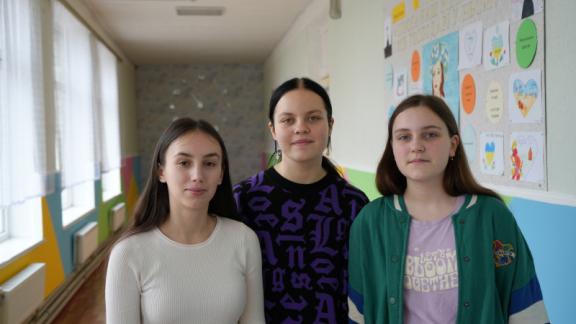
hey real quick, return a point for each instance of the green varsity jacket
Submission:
(497, 279)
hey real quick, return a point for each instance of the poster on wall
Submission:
(527, 156)
(440, 70)
(492, 153)
(470, 46)
(400, 88)
(387, 37)
(525, 8)
(496, 46)
(525, 97)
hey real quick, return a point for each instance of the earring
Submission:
(452, 158)
(276, 157)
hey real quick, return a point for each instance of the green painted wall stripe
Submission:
(364, 181)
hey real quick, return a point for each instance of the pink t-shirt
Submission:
(431, 272)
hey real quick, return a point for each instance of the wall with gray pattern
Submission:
(230, 96)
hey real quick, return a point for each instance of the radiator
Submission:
(86, 242)
(22, 294)
(117, 216)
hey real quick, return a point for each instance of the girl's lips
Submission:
(417, 161)
(302, 142)
(195, 191)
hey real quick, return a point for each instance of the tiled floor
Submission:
(87, 305)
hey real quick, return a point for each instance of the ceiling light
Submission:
(199, 11)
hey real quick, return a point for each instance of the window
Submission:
(107, 106)
(3, 224)
(22, 142)
(24, 228)
(74, 96)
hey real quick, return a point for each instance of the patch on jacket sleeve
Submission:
(503, 253)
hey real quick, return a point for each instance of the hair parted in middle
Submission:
(153, 207)
(458, 178)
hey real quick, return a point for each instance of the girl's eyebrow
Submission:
(423, 128)
(188, 155)
(312, 111)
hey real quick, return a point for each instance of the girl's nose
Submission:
(302, 128)
(196, 174)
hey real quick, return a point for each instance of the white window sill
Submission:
(13, 248)
(108, 195)
(73, 214)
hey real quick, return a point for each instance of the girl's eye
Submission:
(183, 163)
(315, 118)
(402, 137)
(210, 164)
(431, 135)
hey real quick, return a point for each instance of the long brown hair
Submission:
(458, 178)
(153, 207)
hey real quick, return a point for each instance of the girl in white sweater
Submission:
(186, 259)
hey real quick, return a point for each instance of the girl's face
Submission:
(422, 145)
(301, 126)
(437, 78)
(192, 170)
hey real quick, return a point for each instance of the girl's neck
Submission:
(190, 227)
(301, 172)
(428, 202)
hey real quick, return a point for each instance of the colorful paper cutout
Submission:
(496, 46)
(398, 12)
(525, 97)
(494, 102)
(415, 66)
(526, 43)
(468, 93)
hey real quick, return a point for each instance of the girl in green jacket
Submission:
(437, 247)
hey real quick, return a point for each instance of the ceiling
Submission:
(150, 31)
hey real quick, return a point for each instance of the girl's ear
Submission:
(454, 141)
(161, 174)
(272, 130)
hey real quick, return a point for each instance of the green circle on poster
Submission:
(526, 43)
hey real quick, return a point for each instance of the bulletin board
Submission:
(485, 58)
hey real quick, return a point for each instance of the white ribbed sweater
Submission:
(152, 279)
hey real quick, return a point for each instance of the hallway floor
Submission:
(87, 305)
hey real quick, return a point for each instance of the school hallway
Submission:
(88, 86)
(87, 305)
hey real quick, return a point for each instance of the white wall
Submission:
(561, 95)
(291, 56)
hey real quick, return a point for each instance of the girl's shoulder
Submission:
(485, 203)
(379, 208)
(250, 183)
(235, 229)
(132, 246)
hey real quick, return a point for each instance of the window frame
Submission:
(4, 232)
